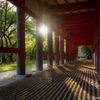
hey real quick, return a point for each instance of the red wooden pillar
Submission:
(62, 49)
(69, 51)
(66, 50)
(21, 39)
(57, 49)
(50, 49)
(98, 34)
(72, 51)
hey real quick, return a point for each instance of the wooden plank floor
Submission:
(72, 81)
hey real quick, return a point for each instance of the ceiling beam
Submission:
(76, 17)
(84, 43)
(71, 7)
(15, 2)
(55, 1)
(81, 35)
(79, 30)
(72, 23)
(82, 40)
(76, 26)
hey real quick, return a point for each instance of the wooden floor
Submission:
(72, 81)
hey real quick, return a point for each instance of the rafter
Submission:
(71, 7)
(66, 2)
(76, 1)
(71, 13)
(56, 2)
(63, 13)
(86, 0)
(79, 12)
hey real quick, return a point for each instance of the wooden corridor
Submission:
(71, 81)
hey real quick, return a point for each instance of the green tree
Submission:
(87, 49)
(8, 29)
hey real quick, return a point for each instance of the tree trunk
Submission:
(10, 55)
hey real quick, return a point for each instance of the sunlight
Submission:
(44, 30)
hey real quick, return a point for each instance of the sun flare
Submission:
(44, 29)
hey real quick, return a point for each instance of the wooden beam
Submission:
(85, 43)
(46, 53)
(81, 35)
(76, 17)
(46, 0)
(66, 2)
(29, 12)
(76, 1)
(82, 40)
(55, 54)
(63, 13)
(71, 7)
(56, 2)
(15, 2)
(72, 23)
(79, 12)
(76, 26)
(9, 50)
(86, 0)
(71, 13)
(79, 30)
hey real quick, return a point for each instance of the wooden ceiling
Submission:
(74, 17)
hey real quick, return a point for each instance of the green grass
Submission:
(13, 65)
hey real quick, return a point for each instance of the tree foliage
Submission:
(8, 29)
(87, 49)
